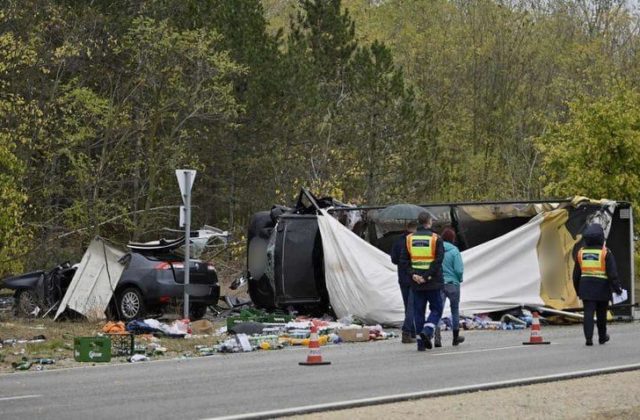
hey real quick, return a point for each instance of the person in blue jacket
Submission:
(452, 270)
(404, 279)
(595, 276)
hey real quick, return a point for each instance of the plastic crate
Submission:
(122, 344)
(92, 349)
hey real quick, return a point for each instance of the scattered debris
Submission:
(138, 358)
(178, 329)
(114, 328)
(25, 364)
(202, 326)
(6, 303)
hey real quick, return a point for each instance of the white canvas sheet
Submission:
(362, 281)
(94, 281)
(502, 273)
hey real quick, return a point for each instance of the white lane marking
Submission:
(19, 397)
(426, 394)
(450, 353)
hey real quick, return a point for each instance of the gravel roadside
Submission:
(613, 396)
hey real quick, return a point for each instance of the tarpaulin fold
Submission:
(94, 281)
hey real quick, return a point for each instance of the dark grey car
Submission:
(149, 283)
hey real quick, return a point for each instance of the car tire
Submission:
(197, 312)
(130, 304)
(26, 302)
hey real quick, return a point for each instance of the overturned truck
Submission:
(518, 253)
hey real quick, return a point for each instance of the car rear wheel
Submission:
(26, 304)
(130, 304)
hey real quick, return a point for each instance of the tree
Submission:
(180, 93)
(596, 151)
(382, 122)
(15, 56)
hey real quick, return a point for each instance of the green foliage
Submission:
(14, 57)
(595, 152)
(370, 101)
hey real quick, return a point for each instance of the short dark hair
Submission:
(411, 224)
(449, 235)
(424, 218)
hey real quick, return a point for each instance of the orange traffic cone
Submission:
(536, 337)
(314, 358)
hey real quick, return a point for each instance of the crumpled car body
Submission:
(153, 278)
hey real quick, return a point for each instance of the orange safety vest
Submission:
(592, 262)
(422, 250)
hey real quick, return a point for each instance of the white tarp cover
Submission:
(362, 281)
(94, 280)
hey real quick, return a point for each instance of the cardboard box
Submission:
(354, 334)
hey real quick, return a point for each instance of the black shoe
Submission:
(589, 342)
(457, 338)
(426, 340)
(437, 342)
(421, 346)
(604, 339)
(407, 339)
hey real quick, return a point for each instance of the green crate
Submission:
(92, 349)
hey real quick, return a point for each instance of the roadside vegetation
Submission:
(369, 101)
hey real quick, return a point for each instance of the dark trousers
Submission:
(600, 308)
(407, 326)
(452, 291)
(420, 299)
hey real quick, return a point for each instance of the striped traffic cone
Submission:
(536, 337)
(314, 357)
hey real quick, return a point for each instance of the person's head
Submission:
(424, 219)
(594, 235)
(411, 226)
(449, 235)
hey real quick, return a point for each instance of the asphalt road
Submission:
(237, 384)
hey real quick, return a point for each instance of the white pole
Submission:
(187, 240)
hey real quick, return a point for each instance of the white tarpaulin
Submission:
(502, 273)
(362, 281)
(94, 281)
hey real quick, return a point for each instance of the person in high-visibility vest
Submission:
(595, 276)
(423, 253)
(404, 281)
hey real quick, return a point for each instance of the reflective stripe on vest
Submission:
(422, 250)
(592, 262)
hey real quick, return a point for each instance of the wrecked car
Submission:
(151, 280)
(285, 263)
(39, 289)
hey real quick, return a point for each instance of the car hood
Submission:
(23, 280)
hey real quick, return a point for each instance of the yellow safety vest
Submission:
(422, 250)
(592, 262)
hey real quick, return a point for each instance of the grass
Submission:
(59, 342)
